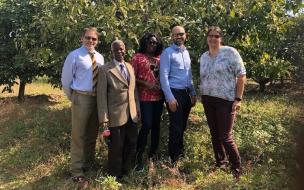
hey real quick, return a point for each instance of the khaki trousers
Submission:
(84, 133)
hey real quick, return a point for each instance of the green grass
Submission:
(35, 140)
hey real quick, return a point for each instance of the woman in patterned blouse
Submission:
(222, 79)
(146, 67)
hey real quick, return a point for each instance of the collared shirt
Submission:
(124, 67)
(77, 70)
(218, 75)
(147, 69)
(175, 71)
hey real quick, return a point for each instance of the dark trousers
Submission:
(122, 148)
(178, 123)
(151, 112)
(220, 121)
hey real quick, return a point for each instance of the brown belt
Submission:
(85, 93)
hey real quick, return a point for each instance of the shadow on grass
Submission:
(297, 96)
(34, 135)
(35, 140)
(33, 99)
(35, 143)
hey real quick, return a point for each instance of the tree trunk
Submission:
(21, 91)
(263, 83)
(262, 86)
(282, 80)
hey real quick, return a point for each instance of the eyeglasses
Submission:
(153, 42)
(178, 34)
(214, 36)
(89, 38)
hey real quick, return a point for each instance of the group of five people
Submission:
(113, 97)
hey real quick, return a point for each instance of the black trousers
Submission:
(178, 123)
(151, 112)
(122, 148)
(220, 121)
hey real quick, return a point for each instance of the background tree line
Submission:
(36, 35)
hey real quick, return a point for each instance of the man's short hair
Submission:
(116, 42)
(93, 29)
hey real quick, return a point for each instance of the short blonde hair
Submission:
(93, 29)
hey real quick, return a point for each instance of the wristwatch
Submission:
(238, 99)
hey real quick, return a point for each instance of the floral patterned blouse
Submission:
(147, 69)
(218, 74)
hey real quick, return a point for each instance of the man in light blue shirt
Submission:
(177, 85)
(79, 80)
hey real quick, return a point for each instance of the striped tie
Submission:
(95, 71)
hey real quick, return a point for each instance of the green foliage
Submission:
(269, 68)
(266, 126)
(23, 55)
(292, 47)
(38, 34)
(35, 138)
(108, 183)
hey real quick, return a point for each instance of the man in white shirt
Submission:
(79, 81)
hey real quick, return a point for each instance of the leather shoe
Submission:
(82, 181)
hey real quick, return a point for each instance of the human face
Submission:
(178, 35)
(90, 40)
(151, 45)
(214, 39)
(119, 51)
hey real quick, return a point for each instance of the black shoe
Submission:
(81, 181)
(237, 173)
(153, 157)
(173, 161)
(222, 167)
(139, 166)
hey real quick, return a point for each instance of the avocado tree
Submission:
(22, 52)
(38, 34)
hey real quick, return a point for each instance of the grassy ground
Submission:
(35, 140)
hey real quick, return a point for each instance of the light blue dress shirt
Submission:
(77, 71)
(175, 71)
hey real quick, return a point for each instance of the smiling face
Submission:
(214, 39)
(90, 40)
(118, 51)
(178, 35)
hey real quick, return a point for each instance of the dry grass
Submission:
(35, 137)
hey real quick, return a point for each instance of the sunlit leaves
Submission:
(253, 27)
